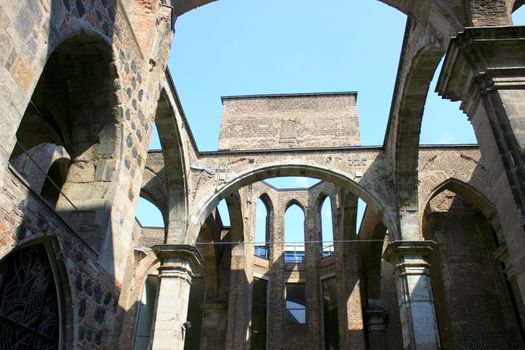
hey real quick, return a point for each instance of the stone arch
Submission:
(516, 4)
(286, 234)
(410, 113)
(56, 177)
(319, 202)
(293, 202)
(419, 11)
(375, 200)
(25, 275)
(34, 164)
(268, 204)
(75, 101)
(469, 193)
(174, 160)
(468, 261)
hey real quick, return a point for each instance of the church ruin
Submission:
(436, 262)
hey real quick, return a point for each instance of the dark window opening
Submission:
(295, 303)
(55, 179)
(193, 333)
(29, 311)
(331, 324)
(145, 313)
(258, 329)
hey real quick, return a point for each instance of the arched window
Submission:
(327, 228)
(294, 234)
(29, 308)
(262, 218)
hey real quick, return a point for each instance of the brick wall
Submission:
(289, 121)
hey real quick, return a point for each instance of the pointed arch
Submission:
(263, 226)
(324, 214)
(34, 297)
(294, 232)
(463, 223)
(474, 197)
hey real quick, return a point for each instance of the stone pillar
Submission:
(375, 324)
(214, 320)
(414, 292)
(485, 69)
(239, 302)
(175, 276)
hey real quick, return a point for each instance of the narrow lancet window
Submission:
(294, 235)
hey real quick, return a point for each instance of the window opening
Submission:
(258, 329)
(55, 179)
(145, 313)
(294, 235)
(331, 324)
(193, 329)
(261, 229)
(327, 228)
(224, 213)
(295, 303)
(29, 310)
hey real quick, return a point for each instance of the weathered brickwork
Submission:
(289, 121)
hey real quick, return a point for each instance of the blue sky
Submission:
(241, 47)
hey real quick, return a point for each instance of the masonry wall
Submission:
(473, 304)
(289, 121)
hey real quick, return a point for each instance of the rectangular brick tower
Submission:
(313, 120)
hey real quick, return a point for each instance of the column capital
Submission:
(187, 252)
(399, 252)
(376, 317)
(482, 58)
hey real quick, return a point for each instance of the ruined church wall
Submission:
(289, 121)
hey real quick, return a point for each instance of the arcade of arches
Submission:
(438, 260)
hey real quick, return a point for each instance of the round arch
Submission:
(373, 199)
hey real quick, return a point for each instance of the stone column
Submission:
(485, 69)
(175, 276)
(239, 302)
(214, 321)
(375, 324)
(414, 293)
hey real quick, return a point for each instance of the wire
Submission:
(293, 243)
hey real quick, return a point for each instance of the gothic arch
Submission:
(293, 202)
(472, 195)
(469, 245)
(39, 312)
